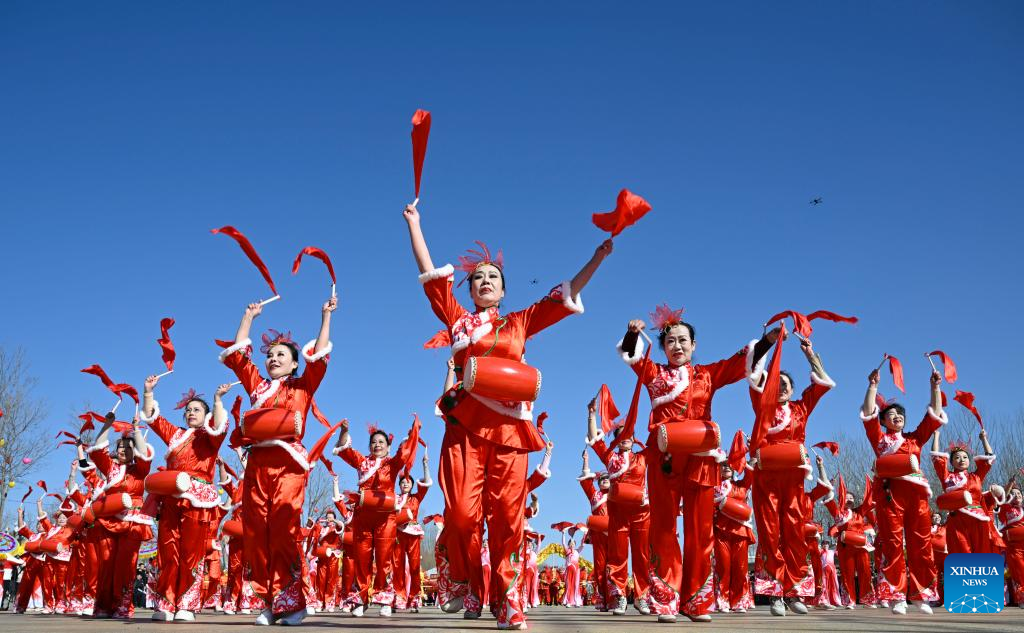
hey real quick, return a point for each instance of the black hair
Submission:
(404, 478)
(785, 373)
(330, 511)
(381, 433)
(293, 348)
(206, 407)
(129, 447)
(899, 408)
(664, 332)
(960, 449)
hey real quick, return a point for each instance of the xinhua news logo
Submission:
(973, 583)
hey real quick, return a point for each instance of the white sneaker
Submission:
(246, 611)
(385, 611)
(357, 611)
(415, 609)
(184, 616)
(293, 619)
(900, 608)
(875, 605)
(159, 616)
(453, 606)
(851, 606)
(724, 610)
(778, 607)
(265, 618)
(884, 604)
(740, 610)
(330, 609)
(925, 607)
(620, 606)
(667, 618)
(797, 606)
(310, 610)
(229, 612)
(704, 617)
(642, 606)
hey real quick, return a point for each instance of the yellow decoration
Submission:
(2, 442)
(558, 550)
(10, 485)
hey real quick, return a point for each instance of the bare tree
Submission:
(21, 427)
(319, 492)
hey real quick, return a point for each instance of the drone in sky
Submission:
(816, 201)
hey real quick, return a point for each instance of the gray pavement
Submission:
(549, 619)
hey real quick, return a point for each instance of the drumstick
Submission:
(415, 202)
(169, 371)
(885, 357)
(931, 362)
(334, 292)
(644, 334)
(116, 405)
(237, 382)
(270, 300)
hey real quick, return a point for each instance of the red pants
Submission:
(480, 481)
(779, 500)
(117, 553)
(55, 585)
(31, 577)
(327, 580)
(214, 577)
(855, 571)
(731, 566)
(599, 543)
(272, 497)
(905, 518)
(940, 571)
(628, 533)
(966, 535)
(90, 566)
(407, 571)
(184, 536)
(373, 543)
(1015, 564)
(234, 597)
(676, 575)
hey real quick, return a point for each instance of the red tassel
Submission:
(315, 410)
(606, 409)
(832, 447)
(896, 369)
(738, 453)
(441, 339)
(27, 494)
(966, 398)
(96, 370)
(125, 388)
(249, 251)
(832, 316)
(420, 134)
(948, 366)
(319, 254)
(629, 208)
(166, 347)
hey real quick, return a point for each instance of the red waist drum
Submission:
(626, 494)
(377, 500)
(52, 546)
(271, 424)
(501, 379)
(854, 539)
(953, 500)
(1015, 534)
(782, 456)
(685, 437)
(896, 466)
(735, 509)
(320, 552)
(75, 521)
(111, 505)
(811, 530)
(597, 523)
(168, 482)
(233, 528)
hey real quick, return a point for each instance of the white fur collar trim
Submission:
(272, 387)
(682, 374)
(237, 347)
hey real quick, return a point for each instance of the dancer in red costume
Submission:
(275, 471)
(733, 537)
(681, 393)
(485, 448)
(1011, 522)
(903, 514)
(187, 519)
(939, 552)
(327, 547)
(408, 589)
(121, 535)
(597, 496)
(629, 518)
(779, 496)
(967, 529)
(32, 575)
(373, 528)
(55, 568)
(852, 550)
(572, 597)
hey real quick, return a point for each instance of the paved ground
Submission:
(550, 619)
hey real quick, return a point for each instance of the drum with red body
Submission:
(896, 466)
(168, 482)
(75, 521)
(346, 538)
(735, 509)
(271, 424)
(377, 500)
(111, 505)
(597, 523)
(811, 530)
(232, 528)
(1015, 534)
(321, 551)
(626, 494)
(854, 539)
(782, 456)
(501, 379)
(52, 546)
(686, 437)
(954, 500)
(32, 547)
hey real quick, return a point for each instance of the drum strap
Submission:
(500, 323)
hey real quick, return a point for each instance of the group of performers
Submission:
(250, 548)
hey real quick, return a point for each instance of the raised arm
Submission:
(419, 244)
(983, 463)
(869, 407)
(324, 336)
(591, 425)
(252, 311)
(580, 280)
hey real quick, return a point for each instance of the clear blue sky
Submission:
(129, 130)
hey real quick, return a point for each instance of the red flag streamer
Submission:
(540, 422)
(948, 366)
(606, 409)
(313, 251)
(328, 465)
(42, 484)
(441, 339)
(869, 491)
(629, 208)
(966, 398)
(832, 316)
(315, 410)
(96, 370)
(222, 343)
(896, 369)
(126, 388)
(167, 348)
(841, 492)
(765, 415)
(562, 525)
(249, 251)
(420, 134)
(27, 494)
(738, 452)
(318, 449)
(801, 324)
(236, 410)
(414, 438)
(634, 405)
(832, 447)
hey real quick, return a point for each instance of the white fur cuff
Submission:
(638, 352)
(752, 371)
(445, 271)
(939, 454)
(344, 445)
(586, 474)
(102, 446)
(311, 357)
(871, 416)
(985, 458)
(156, 413)
(940, 416)
(597, 438)
(425, 483)
(545, 472)
(148, 455)
(824, 382)
(220, 428)
(573, 304)
(237, 347)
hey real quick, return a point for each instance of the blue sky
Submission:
(131, 130)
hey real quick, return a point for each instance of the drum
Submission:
(896, 466)
(1015, 534)
(686, 437)
(320, 551)
(168, 482)
(735, 509)
(597, 523)
(501, 379)
(782, 456)
(811, 530)
(111, 505)
(75, 521)
(271, 424)
(232, 529)
(953, 500)
(346, 538)
(377, 500)
(854, 539)
(52, 546)
(626, 494)
(32, 547)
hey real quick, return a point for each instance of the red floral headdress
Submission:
(959, 445)
(272, 337)
(475, 259)
(373, 428)
(665, 317)
(187, 397)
